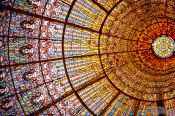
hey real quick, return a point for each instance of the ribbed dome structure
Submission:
(87, 57)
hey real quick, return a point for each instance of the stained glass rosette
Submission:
(163, 46)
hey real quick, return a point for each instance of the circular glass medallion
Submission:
(163, 46)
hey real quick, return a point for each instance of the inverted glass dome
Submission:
(87, 57)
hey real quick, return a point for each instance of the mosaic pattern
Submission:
(86, 57)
